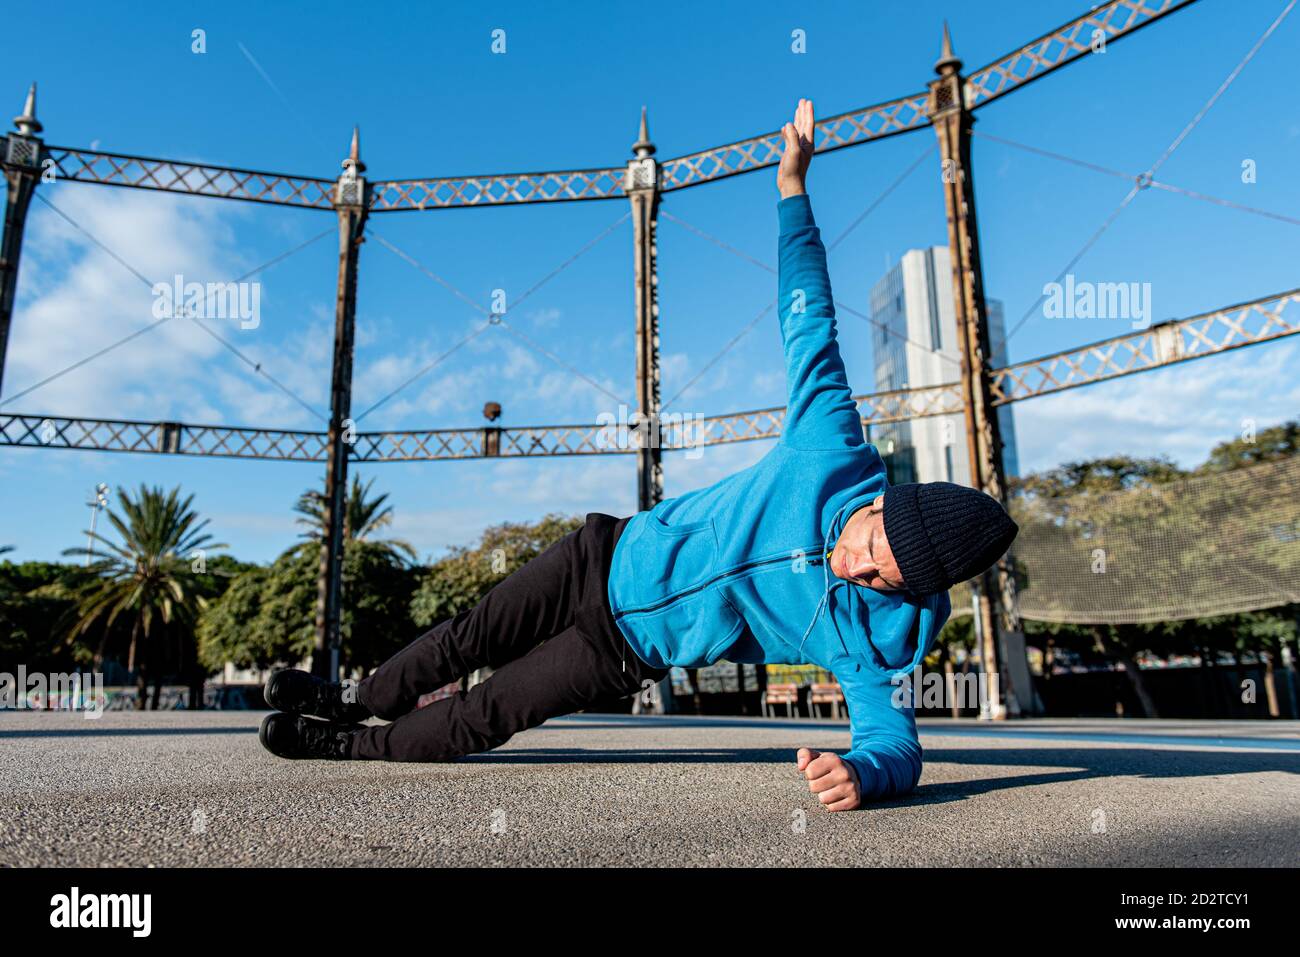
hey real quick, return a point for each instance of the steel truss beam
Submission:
(833, 133)
(1062, 46)
(502, 189)
(169, 176)
(1232, 327)
(1260, 320)
(1031, 61)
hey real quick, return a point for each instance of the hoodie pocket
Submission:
(673, 558)
(694, 630)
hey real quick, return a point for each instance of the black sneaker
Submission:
(293, 736)
(299, 692)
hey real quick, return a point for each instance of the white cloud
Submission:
(1182, 411)
(526, 489)
(544, 318)
(492, 367)
(75, 299)
(716, 462)
(598, 483)
(514, 490)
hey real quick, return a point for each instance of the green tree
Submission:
(1270, 558)
(153, 577)
(457, 582)
(1120, 505)
(234, 628)
(34, 598)
(1053, 489)
(268, 614)
(363, 517)
(1270, 445)
(957, 635)
(1084, 499)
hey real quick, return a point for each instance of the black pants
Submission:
(549, 633)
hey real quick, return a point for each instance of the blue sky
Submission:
(432, 99)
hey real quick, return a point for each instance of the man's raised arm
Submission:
(820, 412)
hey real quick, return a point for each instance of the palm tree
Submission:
(147, 578)
(363, 517)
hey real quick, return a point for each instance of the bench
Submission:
(786, 694)
(828, 692)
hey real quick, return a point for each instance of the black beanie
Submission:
(942, 533)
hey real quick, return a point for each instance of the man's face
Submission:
(862, 554)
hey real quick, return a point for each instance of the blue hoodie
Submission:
(739, 570)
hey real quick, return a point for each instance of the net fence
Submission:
(1206, 545)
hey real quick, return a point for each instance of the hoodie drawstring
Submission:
(824, 601)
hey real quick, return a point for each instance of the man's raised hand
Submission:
(798, 136)
(829, 777)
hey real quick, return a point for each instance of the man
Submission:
(806, 556)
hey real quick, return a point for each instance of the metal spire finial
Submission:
(643, 147)
(948, 61)
(353, 163)
(27, 124)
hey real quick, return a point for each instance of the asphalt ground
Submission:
(182, 789)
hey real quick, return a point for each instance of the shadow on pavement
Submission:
(1076, 764)
(91, 731)
(1167, 762)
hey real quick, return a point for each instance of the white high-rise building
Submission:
(913, 301)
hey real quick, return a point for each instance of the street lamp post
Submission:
(99, 500)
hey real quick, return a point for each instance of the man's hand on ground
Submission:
(830, 778)
(798, 151)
